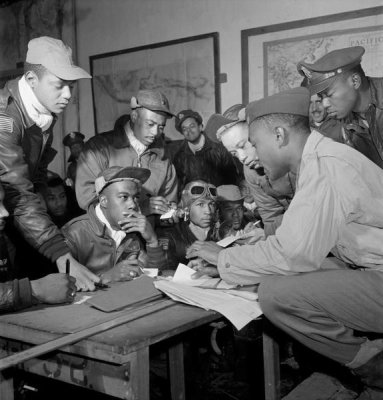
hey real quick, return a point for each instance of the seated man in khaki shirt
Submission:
(337, 207)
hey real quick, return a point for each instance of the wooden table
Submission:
(115, 362)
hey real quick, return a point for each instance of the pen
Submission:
(67, 266)
(101, 285)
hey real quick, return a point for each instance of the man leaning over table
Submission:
(335, 209)
(28, 109)
(16, 294)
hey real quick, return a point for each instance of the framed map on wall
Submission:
(185, 70)
(270, 54)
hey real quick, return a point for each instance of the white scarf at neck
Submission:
(198, 146)
(135, 143)
(36, 111)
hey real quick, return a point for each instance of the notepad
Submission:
(125, 294)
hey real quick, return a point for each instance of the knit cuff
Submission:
(54, 248)
(23, 293)
(156, 257)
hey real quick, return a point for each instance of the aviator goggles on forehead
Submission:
(199, 190)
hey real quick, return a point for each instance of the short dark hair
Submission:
(56, 181)
(299, 122)
(38, 69)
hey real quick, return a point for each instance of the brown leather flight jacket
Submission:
(25, 152)
(93, 247)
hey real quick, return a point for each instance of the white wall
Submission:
(109, 25)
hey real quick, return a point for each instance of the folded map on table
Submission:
(126, 294)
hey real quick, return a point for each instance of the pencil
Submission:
(67, 266)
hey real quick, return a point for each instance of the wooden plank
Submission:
(127, 381)
(6, 381)
(320, 387)
(6, 386)
(77, 336)
(176, 371)
(271, 363)
(113, 345)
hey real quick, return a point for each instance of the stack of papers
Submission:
(184, 275)
(238, 306)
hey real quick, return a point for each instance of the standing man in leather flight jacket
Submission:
(28, 108)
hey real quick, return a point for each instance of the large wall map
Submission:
(184, 72)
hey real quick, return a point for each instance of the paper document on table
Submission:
(255, 233)
(184, 274)
(152, 272)
(237, 306)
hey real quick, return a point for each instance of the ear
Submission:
(31, 78)
(134, 116)
(201, 127)
(103, 201)
(356, 80)
(281, 136)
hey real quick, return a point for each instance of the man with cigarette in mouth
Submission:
(114, 240)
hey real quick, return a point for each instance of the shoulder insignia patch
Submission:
(6, 124)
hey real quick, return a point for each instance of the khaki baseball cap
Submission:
(55, 56)
(229, 193)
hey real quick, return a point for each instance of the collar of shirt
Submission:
(197, 147)
(117, 236)
(199, 233)
(37, 112)
(312, 142)
(135, 143)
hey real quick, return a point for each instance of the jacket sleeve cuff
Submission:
(23, 293)
(156, 257)
(54, 248)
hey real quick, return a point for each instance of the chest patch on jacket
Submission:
(6, 124)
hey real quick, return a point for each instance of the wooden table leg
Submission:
(176, 371)
(6, 385)
(271, 364)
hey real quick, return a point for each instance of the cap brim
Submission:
(158, 109)
(70, 73)
(321, 86)
(141, 174)
(223, 199)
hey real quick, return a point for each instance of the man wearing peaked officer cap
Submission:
(28, 109)
(350, 96)
(133, 143)
(335, 208)
(115, 217)
(75, 142)
(199, 157)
